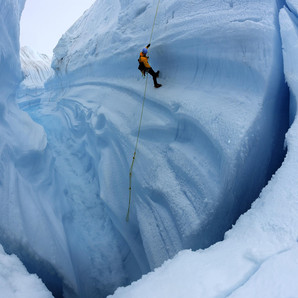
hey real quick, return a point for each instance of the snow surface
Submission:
(211, 138)
(15, 282)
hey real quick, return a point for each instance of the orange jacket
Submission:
(144, 59)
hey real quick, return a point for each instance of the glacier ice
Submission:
(36, 67)
(19, 136)
(211, 139)
(259, 256)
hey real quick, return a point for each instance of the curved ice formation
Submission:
(18, 136)
(211, 138)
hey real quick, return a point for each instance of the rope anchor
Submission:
(140, 124)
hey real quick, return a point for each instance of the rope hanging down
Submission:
(140, 124)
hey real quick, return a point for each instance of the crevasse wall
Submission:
(211, 59)
(258, 256)
(18, 135)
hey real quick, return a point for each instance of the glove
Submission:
(148, 45)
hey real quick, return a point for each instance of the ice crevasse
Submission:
(211, 138)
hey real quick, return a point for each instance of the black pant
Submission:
(154, 75)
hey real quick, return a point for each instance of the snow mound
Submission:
(15, 282)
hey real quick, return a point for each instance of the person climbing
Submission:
(144, 66)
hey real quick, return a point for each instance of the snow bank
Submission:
(15, 282)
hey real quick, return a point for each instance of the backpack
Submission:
(142, 68)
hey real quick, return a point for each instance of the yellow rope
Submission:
(140, 124)
(135, 152)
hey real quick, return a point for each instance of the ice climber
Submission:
(144, 66)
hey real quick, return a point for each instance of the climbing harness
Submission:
(140, 124)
